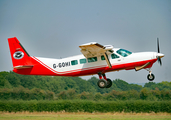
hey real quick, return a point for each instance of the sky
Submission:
(56, 28)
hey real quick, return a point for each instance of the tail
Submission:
(20, 58)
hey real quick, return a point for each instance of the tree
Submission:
(122, 85)
(68, 94)
(70, 84)
(166, 94)
(156, 93)
(13, 79)
(98, 97)
(145, 93)
(84, 85)
(133, 94)
(149, 84)
(86, 96)
(4, 83)
(135, 87)
(28, 81)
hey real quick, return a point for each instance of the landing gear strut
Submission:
(104, 82)
(150, 76)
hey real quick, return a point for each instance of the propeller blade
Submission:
(158, 45)
(159, 60)
(158, 57)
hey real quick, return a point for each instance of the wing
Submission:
(94, 49)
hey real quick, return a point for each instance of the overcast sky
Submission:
(55, 29)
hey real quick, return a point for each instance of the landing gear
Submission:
(102, 83)
(150, 76)
(105, 82)
(109, 83)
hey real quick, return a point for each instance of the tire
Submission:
(109, 83)
(150, 77)
(102, 83)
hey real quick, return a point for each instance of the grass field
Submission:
(83, 116)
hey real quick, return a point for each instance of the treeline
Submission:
(22, 87)
(39, 94)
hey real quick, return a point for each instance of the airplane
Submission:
(95, 59)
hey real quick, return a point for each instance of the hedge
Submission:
(86, 106)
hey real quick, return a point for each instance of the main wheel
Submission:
(109, 83)
(150, 77)
(102, 83)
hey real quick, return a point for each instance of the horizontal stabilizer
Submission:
(23, 66)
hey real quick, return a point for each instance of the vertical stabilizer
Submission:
(20, 57)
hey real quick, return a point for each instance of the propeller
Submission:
(158, 56)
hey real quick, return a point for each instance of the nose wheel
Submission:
(150, 76)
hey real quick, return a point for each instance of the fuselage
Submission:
(81, 66)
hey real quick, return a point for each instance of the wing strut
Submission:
(107, 60)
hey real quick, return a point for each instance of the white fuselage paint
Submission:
(67, 67)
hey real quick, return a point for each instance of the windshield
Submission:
(123, 52)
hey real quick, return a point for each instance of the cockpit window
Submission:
(123, 52)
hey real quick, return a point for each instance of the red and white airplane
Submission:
(95, 59)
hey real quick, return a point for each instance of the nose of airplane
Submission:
(160, 55)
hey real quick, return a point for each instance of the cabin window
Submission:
(114, 56)
(93, 59)
(82, 61)
(74, 62)
(123, 52)
(102, 57)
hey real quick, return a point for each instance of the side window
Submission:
(114, 56)
(74, 62)
(102, 57)
(93, 59)
(82, 61)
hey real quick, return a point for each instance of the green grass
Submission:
(83, 116)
